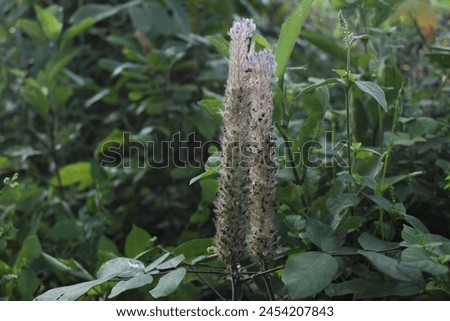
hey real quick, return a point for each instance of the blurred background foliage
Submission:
(77, 74)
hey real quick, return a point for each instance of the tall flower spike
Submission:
(263, 170)
(232, 198)
(348, 36)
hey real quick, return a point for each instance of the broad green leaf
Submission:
(308, 273)
(321, 235)
(337, 203)
(76, 173)
(371, 243)
(220, 43)
(194, 248)
(168, 283)
(392, 268)
(172, 263)
(290, 195)
(390, 181)
(75, 30)
(373, 90)
(138, 240)
(120, 267)
(381, 202)
(346, 287)
(416, 223)
(133, 283)
(31, 250)
(50, 19)
(289, 33)
(423, 260)
(421, 126)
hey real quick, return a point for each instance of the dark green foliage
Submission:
(81, 79)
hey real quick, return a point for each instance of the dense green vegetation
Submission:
(82, 81)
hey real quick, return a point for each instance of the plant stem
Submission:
(347, 108)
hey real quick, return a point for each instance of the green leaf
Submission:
(138, 240)
(337, 203)
(387, 289)
(133, 283)
(75, 173)
(321, 235)
(416, 223)
(213, 106)
(220, 43)
(289, 33)
(75, 30)
(37, 99)
(194, 248)
(71, 292)
(373, 90)
(180, 15)
(31, 250)
(308, 273)
(261, 42)
(67, 267)
(157, 262)
(50, 19)
(392, 268)
(168, 283)
(120, 267)
(371, 243)
(172, 263)
(423, 260)
(421, 126)
(313, 87)
(209, 172)
(33, 29)
(381, 202)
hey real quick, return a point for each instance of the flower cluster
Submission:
(245, 204)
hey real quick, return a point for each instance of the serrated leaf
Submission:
(133, 283)
(373, 90)
(168, 283)
(308, 273)
(289, 33)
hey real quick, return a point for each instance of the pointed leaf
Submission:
(154, 264)
(172, 263)
(373, 90)
(321, 235)
(168, 283)
(133, 283)
(308, 273)
(289, 33)
(220, 43)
